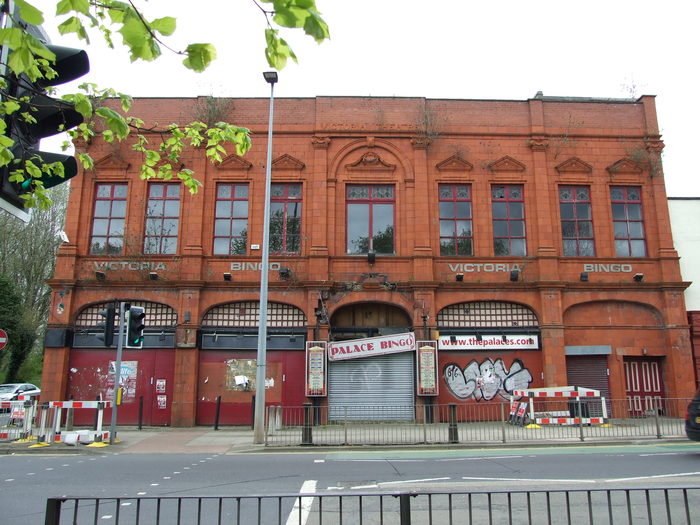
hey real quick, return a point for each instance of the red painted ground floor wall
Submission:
(146, 379)
(230, 374)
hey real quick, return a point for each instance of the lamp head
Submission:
(270, 77)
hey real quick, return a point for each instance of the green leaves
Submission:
(144, 40)
(277, 51)
(293, 14)
(199, 56)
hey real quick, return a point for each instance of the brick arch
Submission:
(354, 308)
(612, 313)
(476, 314)
(245, 314)
(157, 314)
(355, 149)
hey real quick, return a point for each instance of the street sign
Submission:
(3, 338)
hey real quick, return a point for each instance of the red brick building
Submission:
(529, 240)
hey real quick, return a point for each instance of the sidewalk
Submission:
(239, 440)
(153, 440)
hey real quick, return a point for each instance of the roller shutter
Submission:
(589, 371)
(372, 388)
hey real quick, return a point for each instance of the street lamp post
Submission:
(259, 421)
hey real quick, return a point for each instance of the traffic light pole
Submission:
(117, 372)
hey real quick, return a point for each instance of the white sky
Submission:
(442, 49)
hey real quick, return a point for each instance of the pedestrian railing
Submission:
(675, 505)
(575, 420)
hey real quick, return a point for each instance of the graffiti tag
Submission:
(486, 380)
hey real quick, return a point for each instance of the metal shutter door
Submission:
(372, 388)
(589, 371)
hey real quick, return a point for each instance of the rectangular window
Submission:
(162, 218)
(576, 221)
(628, 223)
(231, 220)
(508, 209)
(456, 219)
(370, 216)
(108, 219)
(285, 218)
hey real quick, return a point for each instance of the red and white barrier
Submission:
(570, 392)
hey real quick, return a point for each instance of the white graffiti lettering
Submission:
(486, 380)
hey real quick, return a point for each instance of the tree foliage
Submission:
(27, 260)
(144, 39)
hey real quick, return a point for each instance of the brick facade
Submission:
(327, 144)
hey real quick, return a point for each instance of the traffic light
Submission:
(107, 336)
(135, 323)
(41, 116)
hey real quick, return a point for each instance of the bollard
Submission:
(306, 431)
(580, 418)
(452, 429)
(218, 411)
(69, 416)
(503, 423)
(140, 412)
(656, 418)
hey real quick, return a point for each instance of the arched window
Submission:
(486, 314)
(247, 313)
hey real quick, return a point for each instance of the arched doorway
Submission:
(380, 387)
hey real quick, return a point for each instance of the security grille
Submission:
(156, 314)
(486, 314)
(247, 314)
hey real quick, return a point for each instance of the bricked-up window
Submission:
(370, 216)
(576, 221)
(508, 209)
(108, 219)
(231, 222)
(628, 223)
(285, 218)
(162, 218)
(455, 219)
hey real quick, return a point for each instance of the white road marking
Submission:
(302, 506)
(411, 481)
(655, 477)
(319, 460)
(530, 479)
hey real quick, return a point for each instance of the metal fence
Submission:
(609, 506)
(478, 423)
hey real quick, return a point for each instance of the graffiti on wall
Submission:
(487, 379)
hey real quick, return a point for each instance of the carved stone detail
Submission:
(287, 162)
(624, 166)
(574, 165)
(320, 142)
(507, 163)
(234, 162)
(370, 161)
(454, 163)
(538, 143)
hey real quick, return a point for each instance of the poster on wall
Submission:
(426, 366)
(127, 379)
(315, 368)
(160, 386)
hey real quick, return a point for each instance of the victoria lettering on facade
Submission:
(129, 265)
